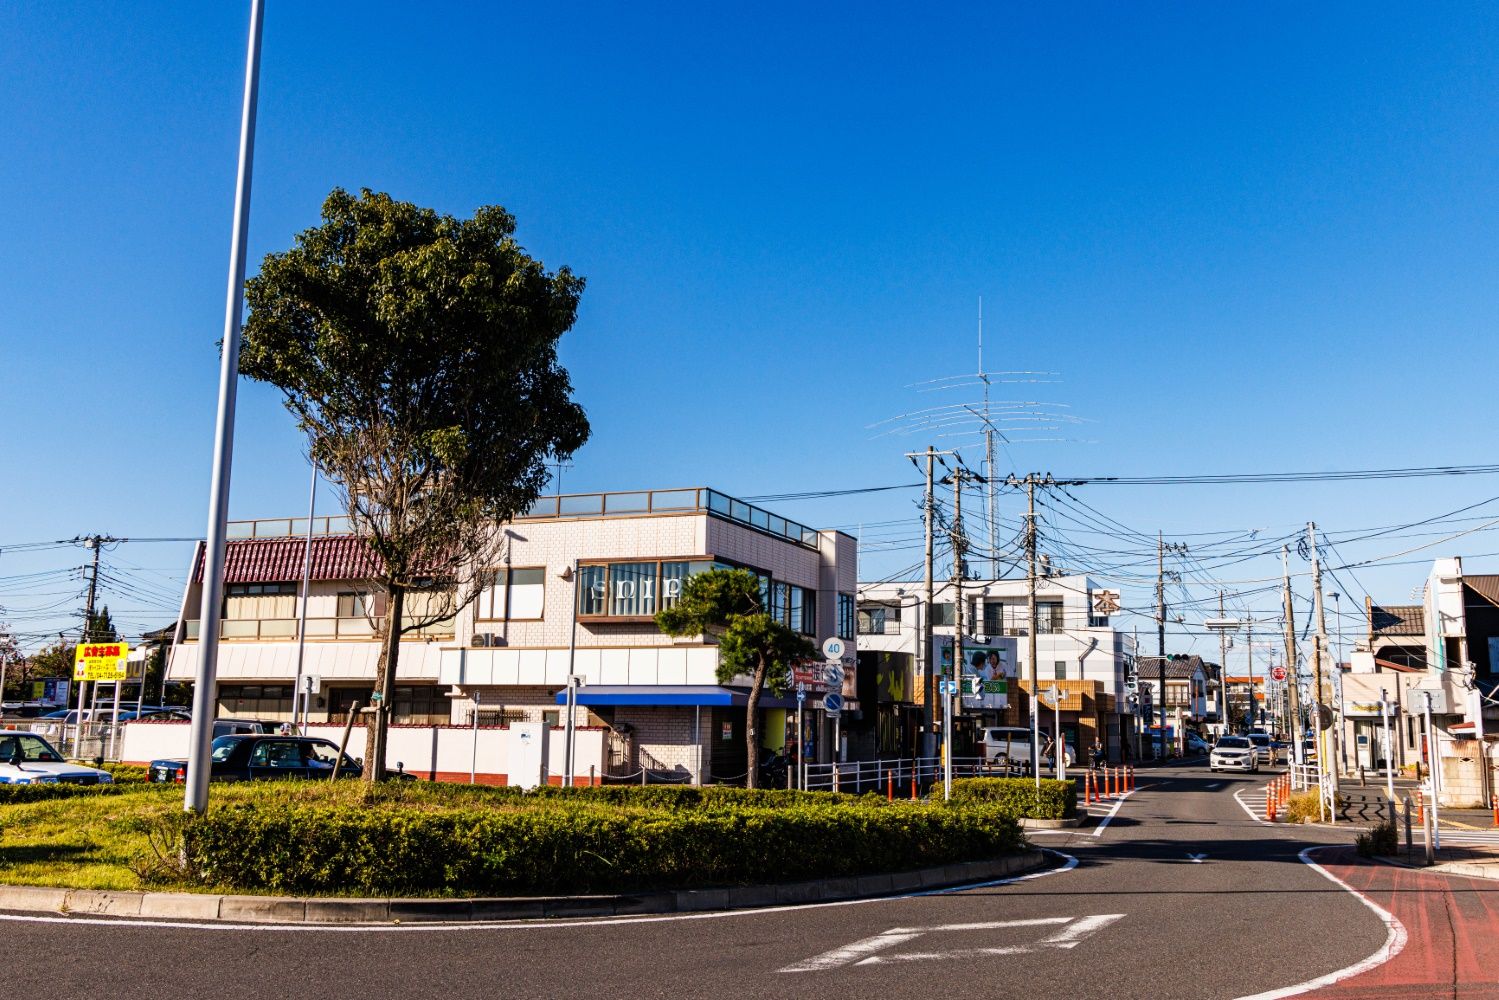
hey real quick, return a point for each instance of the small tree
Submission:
(725, 604)
(419, 354)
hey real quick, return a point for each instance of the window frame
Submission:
(508, 573)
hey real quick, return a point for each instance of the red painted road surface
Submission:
(1452, 928)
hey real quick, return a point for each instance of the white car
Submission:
(1003, 744)
(27, 759)
(1234, 753)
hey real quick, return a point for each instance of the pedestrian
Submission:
(1098, 757)
(1124, 751)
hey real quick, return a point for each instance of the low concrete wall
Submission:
(1462, 785)
(436, 753)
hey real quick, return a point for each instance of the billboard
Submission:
(101, 661)
(987, 671)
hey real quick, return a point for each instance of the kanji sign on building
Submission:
(100, 661)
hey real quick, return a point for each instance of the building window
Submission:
(356, 604)
(252, 701)
(514, 594)
(1048, 617)
(942, 614)
(872, 620)
(634, 589)
(260, 601)
(846, 617)
(780, 600)
(1059, 668)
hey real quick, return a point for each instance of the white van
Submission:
(1012, 744)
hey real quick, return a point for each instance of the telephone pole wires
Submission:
(1293, 672)
(924, 656)
(1162, 548)
(1326, 751)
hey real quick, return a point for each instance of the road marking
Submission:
(1068, 864)
(1103, 823)
(1196, 859)
(1215, 786)
(1071, 932)
(1394, 942)
(1252, 814)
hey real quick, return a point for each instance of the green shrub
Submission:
(16, 794)
(1378, 841)
(1018, 797)
(551, 843)
(127, 773)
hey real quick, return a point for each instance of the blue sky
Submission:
(1248, 238)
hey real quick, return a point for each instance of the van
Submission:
(1012, 744)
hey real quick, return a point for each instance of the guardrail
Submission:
(900, 777)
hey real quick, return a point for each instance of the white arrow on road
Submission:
(1069, 934)
(1196, 859)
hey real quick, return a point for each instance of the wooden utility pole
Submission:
(1223, 708)
(1160, 624)
(1030, 632)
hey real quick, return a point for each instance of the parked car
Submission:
(1197, 746)
(1234, 753)
(27, 759)
(1012, 744)
(255, 757)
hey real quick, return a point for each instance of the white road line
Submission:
(1215, 786)
(1104, 823)
(849, 954)
(1252, 814)
(1069, 863)
(866, 952)
(1394, 942)
(1073, 933)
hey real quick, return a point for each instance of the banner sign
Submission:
(986, 673)
(100, 661)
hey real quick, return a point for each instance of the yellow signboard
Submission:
(100, 661)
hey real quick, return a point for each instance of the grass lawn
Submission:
(84, 842)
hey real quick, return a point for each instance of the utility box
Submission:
(528, 753)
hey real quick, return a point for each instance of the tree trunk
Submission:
(377, 730)
(752, 727)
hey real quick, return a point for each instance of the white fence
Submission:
(437, 753)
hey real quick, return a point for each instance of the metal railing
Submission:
(674, 501)
(901, 777)
(285, 527)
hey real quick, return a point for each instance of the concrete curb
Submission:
(305, 910)
(1050, 824)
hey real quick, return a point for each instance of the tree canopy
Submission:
(418, 352)
(726, 604)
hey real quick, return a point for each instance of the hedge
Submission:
(17, 794)
(1018, 797)
(556, 847)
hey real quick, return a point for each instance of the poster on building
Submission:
(51, 692)
(101, 661)
(986, 673)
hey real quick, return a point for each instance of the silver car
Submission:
(1234, 753)
(27, 759)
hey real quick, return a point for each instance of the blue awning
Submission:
(703, 695)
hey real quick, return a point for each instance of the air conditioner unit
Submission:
(487, 639)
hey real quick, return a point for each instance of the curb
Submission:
(305, 910)
(1050, 824)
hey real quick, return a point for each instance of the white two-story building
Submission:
(575, 591)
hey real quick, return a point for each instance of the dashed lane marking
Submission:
(1109, 816)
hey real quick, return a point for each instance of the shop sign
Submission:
(100, 661)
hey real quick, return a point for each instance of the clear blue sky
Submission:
(1249, 237)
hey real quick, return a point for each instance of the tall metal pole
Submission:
(1389, 752)
(1160, 625)
(299, 697)
(1030, 642)
(196, 797)
(1293, 673)
(570, 729)
(1249, 658)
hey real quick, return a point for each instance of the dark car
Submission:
(258, 757)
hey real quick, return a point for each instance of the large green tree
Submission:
(726, 605)
(418, 352)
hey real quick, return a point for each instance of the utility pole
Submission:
(959, 548)
(924, 655)
(1249, 658)
(94, 542)
(1326, 744)
(1223, 670)
(1030, 632)
(1293, 673)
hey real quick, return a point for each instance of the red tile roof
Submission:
(279, 560)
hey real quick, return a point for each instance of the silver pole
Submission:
(1389, 752)
(570, 728)
(299, 697)
(473, 758)
(1435, 766)
(196, 797)
(1059, 746)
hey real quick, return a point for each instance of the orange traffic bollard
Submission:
(1496, 810)
(889, 785)
(1088, 787)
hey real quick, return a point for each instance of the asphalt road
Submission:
(1137, 916)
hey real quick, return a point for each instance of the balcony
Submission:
(285, 629)
(679, 501)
